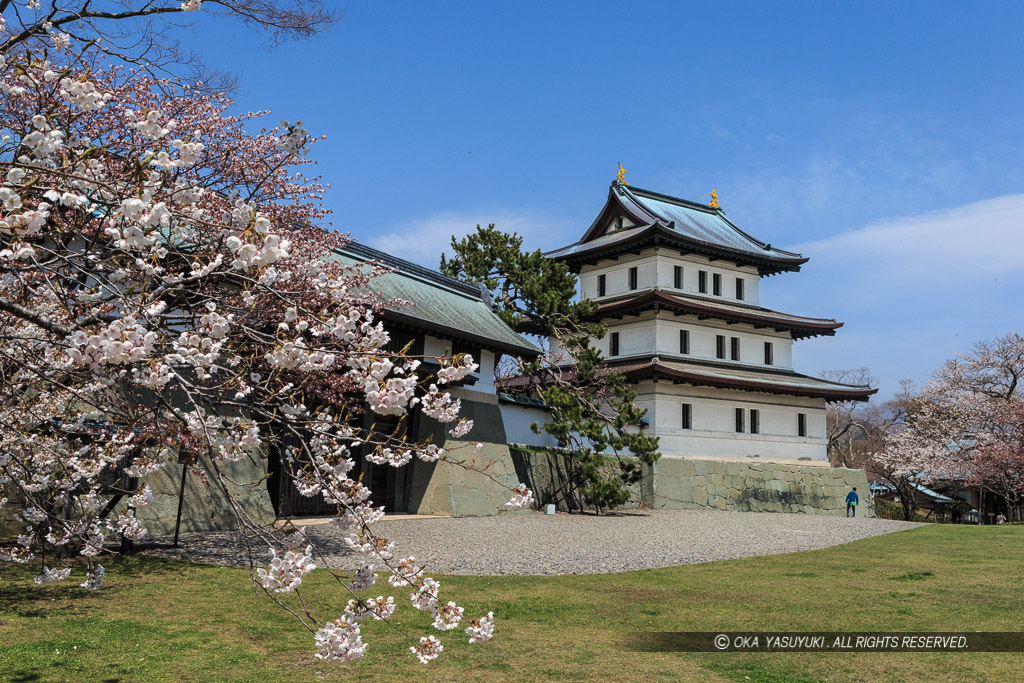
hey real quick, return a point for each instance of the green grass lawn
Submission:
(161, 621)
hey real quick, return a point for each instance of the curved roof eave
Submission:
(658, 234)
(831, 393)
(718, 213)
(800, 327)
(704, 374)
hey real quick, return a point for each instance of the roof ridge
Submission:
(689, 203)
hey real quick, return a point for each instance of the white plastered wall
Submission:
(656, 268)
(434, 346)
(713, 434)
(518, 418)
(658, 334)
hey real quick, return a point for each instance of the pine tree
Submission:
(592, 409)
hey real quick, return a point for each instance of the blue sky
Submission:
(882, 140)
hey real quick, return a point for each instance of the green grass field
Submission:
(166, 621)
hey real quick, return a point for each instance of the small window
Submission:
(739, 420)
(755, 421)
(677, 277)
(601, 285)
(735, 348)
(613, 344)
(716, 283)
(702, 281)
(687, 416)
(684, 342)
(739, 288)
(632, 278)
(769, 353)
(720, 346)
(801, 424)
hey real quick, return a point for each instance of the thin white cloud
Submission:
(981, 240)
(423, 240)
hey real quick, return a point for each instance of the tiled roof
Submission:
(440, 305)
(661, 219)
(773, 381)
(736, 312)
(881, 489)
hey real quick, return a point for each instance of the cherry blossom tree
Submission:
(964, 426)
(998, 466)
(993, 369)
(166, 297)
(991, 378)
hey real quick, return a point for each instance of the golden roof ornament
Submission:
(621, 177)
(714, 199)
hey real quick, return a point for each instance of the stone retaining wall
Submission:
(680, 483)
(545, 472)
(206, 507)
(445, 488)
(448, 489)
(684, 483)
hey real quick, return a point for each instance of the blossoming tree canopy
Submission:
(965, 425)
(164, 298)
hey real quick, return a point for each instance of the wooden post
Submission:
(181, 503)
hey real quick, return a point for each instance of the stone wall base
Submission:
(447, 488)
(545, 472)
(683, 484)
(689, 484)
(206, 507)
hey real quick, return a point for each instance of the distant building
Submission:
(924, 498)
(677, 284)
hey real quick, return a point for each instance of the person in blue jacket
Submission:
(851, 502)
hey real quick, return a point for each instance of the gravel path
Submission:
(569, 544)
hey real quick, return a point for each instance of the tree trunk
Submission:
(908, 510)
(906, 493)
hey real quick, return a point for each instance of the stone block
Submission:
(766, 487)
(206, 506)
